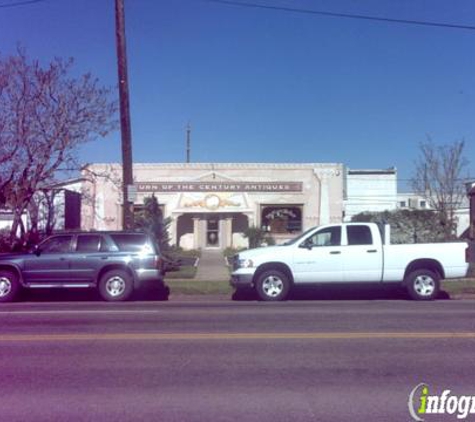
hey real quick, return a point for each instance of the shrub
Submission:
(258, 237)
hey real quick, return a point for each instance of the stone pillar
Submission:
(202, 224)
(173, 230)
(324, 176)
(222, 233)
(227, 232)
(196, 233)
(251, 219)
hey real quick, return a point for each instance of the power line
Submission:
(342, 15)
(20, 3)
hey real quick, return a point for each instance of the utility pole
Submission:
(125, 128)
(188, 142)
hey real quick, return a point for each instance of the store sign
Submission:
(219, 187)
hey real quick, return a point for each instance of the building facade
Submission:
(211, 205)
(370, 191)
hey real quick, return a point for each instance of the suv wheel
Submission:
(9, 286)
(116, 285)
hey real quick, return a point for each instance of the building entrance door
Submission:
(212, 232)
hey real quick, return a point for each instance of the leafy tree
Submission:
(150, 219)
(46, 114)
(408, 226)
(438, 178)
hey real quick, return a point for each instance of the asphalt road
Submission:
(231, 361)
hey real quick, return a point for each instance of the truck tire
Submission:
(116, 285)
(9, 286)
(422, 285)
(272, 285)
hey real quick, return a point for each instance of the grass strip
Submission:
(194, 287)
(180, 285)
(185, 271)
(463, 286)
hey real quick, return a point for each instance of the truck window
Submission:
(331, 236)
(359, 235)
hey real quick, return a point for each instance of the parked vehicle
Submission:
(348, 253)
(116, 263)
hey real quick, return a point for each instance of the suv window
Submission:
(88, 243)
(359, 235)
(56, 244)
(131, 242)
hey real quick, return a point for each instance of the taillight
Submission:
(160, 264)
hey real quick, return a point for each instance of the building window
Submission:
(402, 204)
(423, 204)
(281, 218)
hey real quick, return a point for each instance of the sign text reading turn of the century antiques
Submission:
(219, 187)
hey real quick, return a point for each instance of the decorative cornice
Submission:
(224, 166)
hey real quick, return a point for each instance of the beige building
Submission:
(212, 204)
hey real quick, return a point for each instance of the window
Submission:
(281, 219)
(133, 242)
(359, 235)
(56, 244)
(331, 236)
(88, 243)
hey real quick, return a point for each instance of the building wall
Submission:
(370, 190)
(409, 200)
(199, 196)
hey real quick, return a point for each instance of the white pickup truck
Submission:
(348, 253)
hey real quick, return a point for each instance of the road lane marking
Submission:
(230, 336)
(207, 311)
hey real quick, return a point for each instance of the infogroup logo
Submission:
(421, 403)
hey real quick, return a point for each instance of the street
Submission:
(218, 360)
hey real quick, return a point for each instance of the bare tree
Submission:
(438, 178)
(45, 115)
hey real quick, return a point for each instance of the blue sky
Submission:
(270, 86)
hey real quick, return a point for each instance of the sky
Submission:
(264, 85)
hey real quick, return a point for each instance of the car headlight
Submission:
(245, 263)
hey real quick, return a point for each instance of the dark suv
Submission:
(115, 263)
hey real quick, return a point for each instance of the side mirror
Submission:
(35, 250)
(307, 244)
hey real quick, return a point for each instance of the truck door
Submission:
(318, 258)
(362, 256)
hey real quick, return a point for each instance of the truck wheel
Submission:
(9, 286)
(423, 285)
(116, 285)
(272, 285)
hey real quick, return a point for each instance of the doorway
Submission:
(212, 232)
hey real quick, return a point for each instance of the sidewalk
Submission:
(212, 266)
